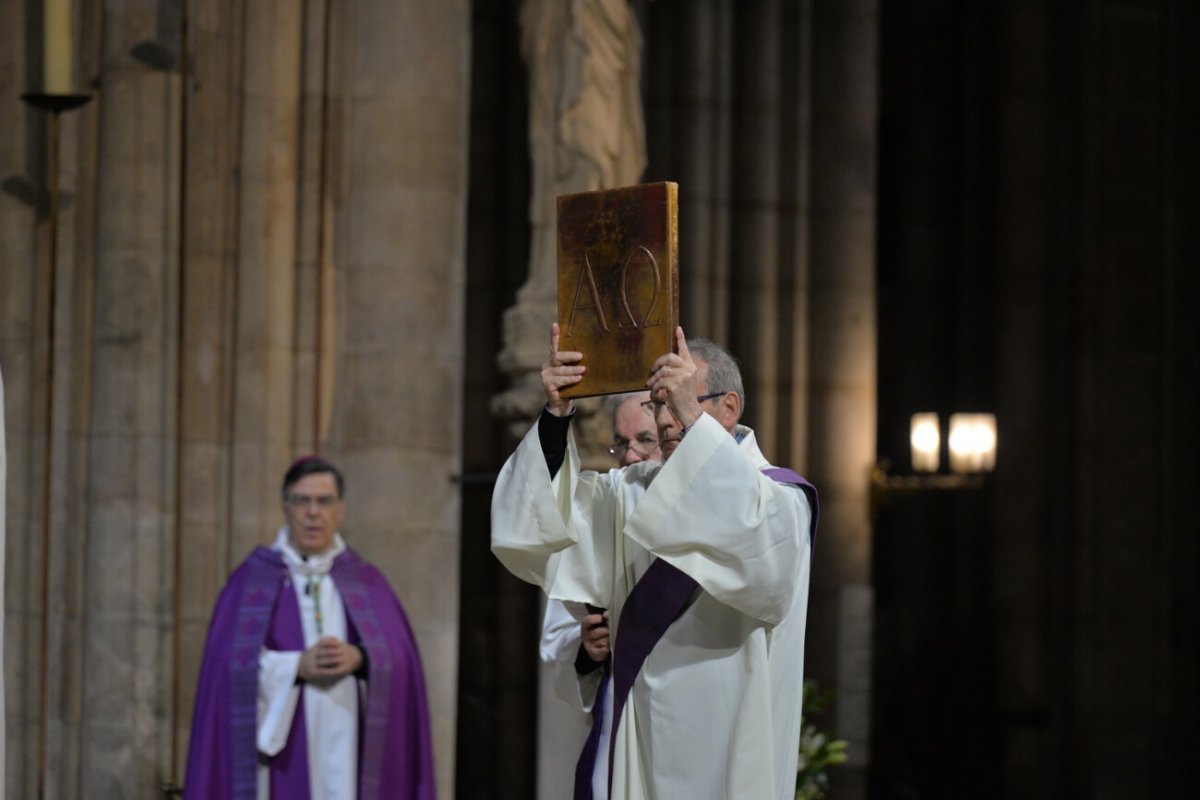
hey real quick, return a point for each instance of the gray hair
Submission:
(723, 372)
(613, 401)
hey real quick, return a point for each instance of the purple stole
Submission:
(586, 764)
(373, 719)
(253, 623)
(659, 598)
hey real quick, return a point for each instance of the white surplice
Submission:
(562, 637)
(330, 712)
(715, 710)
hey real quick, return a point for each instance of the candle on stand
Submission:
(56, 44)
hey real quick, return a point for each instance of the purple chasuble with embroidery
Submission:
(258, 608)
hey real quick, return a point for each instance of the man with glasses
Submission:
(311, 684)
(634, 436)
(703, 563)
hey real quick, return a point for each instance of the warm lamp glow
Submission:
(926, 440)
(972, 442)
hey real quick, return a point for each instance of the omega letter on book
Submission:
(618, 283)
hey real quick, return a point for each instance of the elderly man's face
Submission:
(314, 513)
(634, 438)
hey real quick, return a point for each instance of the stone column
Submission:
(264, 393)
(705, 133)
(842, 399)
(43, 664)
(215, 144)
(130, 489)
(755, 317)
(401, 79)
(20, 155)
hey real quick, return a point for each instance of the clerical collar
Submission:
(317, 564)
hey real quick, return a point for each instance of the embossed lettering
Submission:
(585, 272)
(654, 274)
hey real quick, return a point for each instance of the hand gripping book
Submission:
(618, 283)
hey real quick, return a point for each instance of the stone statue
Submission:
(585, 133)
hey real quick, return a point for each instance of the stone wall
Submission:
(260, 253)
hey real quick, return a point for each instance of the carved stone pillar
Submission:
(585, 133)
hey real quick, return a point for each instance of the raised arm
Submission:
(561, 369)
(538, 507)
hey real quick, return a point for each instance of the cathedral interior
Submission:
(234, 232)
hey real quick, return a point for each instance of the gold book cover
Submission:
(618, 283)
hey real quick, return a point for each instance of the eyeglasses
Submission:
(323, 501)
(619, 449)
(652, 407)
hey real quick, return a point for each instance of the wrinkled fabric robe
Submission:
(561, 640)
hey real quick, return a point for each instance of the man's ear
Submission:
(729, 408)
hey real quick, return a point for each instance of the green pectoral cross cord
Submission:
(313, 589)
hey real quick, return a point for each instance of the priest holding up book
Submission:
(703, 563)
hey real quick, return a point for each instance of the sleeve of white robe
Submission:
(561, 632)
(534, 519)
(712, 513)
(709, 511)
(583, 690)
(278, 695)
(561, 639)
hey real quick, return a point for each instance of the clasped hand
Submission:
(594, 632)
(329, 660)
